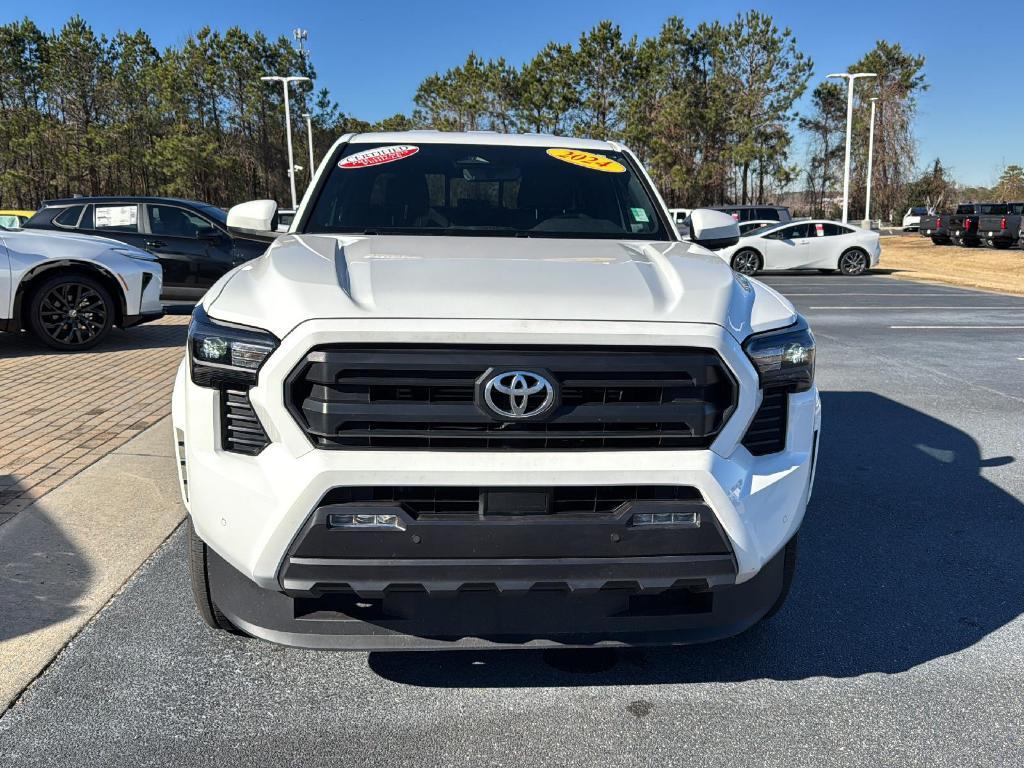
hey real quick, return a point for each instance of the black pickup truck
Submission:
(936, 227)
(965, 225)
(1002, 230)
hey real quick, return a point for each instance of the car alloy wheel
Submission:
(72, 314)
(853, 263)
(746, 262)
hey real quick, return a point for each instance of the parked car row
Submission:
(748, 216)
(997, 225)
(189, 239)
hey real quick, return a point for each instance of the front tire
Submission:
(746, 262)
(200, 573)
(1001, 245)
(853, 262)
(70, 312)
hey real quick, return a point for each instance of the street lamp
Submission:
(871, 149)
(287, 123)
(309, 135)
(850, 77)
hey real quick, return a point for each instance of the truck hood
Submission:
(304, 277)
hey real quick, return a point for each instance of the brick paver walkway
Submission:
(61, 412)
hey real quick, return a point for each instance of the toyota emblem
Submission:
(519, 394)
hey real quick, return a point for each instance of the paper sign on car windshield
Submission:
(587, 160)
(819, 230)
(116, 216)
(378, 156)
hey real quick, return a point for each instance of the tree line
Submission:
(710, 109)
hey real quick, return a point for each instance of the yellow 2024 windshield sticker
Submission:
(587, 160)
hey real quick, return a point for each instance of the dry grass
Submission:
(916, 258)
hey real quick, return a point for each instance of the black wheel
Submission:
(746, 262)
(1001, 245)
(788, 569)
(853, 262)
(208, 610)
(940, 241)
(71, 312)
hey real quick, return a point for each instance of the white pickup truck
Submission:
(482, 393)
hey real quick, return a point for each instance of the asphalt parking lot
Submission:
(902, 642)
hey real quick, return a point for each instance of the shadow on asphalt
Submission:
(873, 272)
(907, 554)
(38, 588)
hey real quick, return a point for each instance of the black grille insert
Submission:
(241, 431)
(422, 397)
(767, 432)
(440, 502)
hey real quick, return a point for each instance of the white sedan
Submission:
(814, 244)
(69, 290)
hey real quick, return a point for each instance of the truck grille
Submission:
(423, 397)
(437, 502)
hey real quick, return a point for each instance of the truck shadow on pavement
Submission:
(907, 554)
(42, 575)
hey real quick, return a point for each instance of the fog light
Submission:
(391, 522)
(677, 519)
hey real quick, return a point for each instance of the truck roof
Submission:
(478, 137)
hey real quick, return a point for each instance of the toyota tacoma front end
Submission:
(482, 394)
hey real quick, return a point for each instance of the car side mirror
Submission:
(255, 219)
(713, 229)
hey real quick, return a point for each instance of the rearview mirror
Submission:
(713, 229)
(256, 218)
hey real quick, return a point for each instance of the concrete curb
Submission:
(62, 558)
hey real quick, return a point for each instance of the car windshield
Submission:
(484, 190)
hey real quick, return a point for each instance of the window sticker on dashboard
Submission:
(587, 160)
(378, 156)
(639, 214)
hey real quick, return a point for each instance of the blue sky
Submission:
(373, 55)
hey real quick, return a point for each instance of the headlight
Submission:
(225, 354)
(135, 253)
(784, 358)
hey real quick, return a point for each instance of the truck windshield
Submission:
(484, 190)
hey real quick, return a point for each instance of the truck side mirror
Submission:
(713, 229)
(255, 219)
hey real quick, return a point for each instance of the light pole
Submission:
(871, 151)
(287, 123)
(850, 77)
(309, 135)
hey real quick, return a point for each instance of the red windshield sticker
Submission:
(378, 156)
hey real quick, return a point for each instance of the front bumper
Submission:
(407, 619)
(251, 510)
